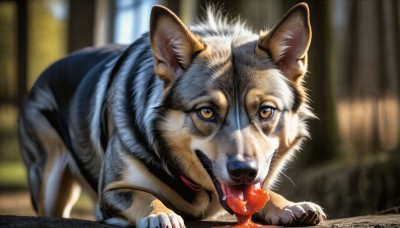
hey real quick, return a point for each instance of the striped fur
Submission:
(124, 122)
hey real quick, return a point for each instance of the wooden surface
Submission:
(381, 221)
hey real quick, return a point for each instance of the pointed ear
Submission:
(172, 43)
(288, 42)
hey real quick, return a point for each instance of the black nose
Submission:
(242, 172)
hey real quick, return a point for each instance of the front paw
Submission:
(296, 214)
(162, 220)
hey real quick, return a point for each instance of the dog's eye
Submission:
(206, 113)
(266, 112)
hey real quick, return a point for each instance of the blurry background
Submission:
(352, 164)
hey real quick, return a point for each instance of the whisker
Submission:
(287, 177)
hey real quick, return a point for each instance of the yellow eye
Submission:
(206, 113)
(266, 112)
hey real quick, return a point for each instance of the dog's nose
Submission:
(242, 172)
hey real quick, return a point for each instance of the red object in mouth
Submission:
(244, 202)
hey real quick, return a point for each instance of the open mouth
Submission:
(236, 192)
(225, 191)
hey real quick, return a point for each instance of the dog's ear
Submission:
(172, 43)
(288, 42)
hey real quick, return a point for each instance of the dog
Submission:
(170, 126)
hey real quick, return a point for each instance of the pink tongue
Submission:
(237, 191)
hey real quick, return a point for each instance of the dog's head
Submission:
(234, 106)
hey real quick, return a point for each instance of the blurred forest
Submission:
(351, 165)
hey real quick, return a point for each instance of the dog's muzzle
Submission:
(242, 174)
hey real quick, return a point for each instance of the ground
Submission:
(376, 221)
(16, 211)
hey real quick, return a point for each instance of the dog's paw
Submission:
(162, 220)
(296, 214)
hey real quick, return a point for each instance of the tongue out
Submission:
(245, 199)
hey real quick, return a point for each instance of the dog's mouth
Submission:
(235, 192)
(225, 190)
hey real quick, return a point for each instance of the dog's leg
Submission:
(60, 189)
(137, 208)
(280, 211)
(52, 185)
